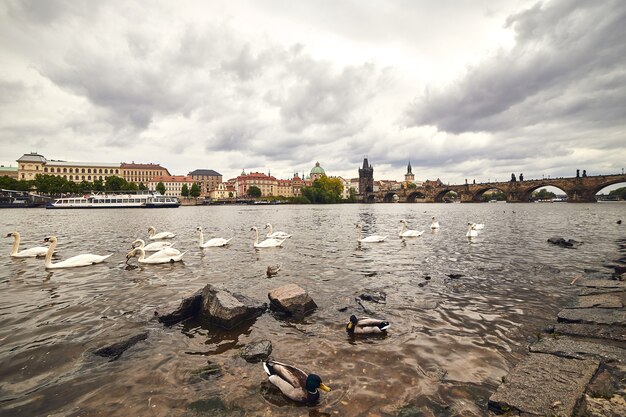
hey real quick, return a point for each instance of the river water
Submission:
(451, 340)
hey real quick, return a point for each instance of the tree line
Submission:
(324, 190)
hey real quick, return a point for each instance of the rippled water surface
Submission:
(451, 341)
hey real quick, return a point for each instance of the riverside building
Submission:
(31, 164)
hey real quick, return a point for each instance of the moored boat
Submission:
(96, 200)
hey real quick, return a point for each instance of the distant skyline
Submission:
(462, 89)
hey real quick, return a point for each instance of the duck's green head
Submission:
(313, 382)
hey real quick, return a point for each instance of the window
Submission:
(64, 170)
(45, 170)
(106, 171)
(89, 177)
(83, 171)
(116, 171)
(89, 171)
(83, 176)
(100, 171)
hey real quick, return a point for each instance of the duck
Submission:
(26, 253)
(151, 247)
(276, 235)
(215, 242)
(154, 258)
(369, 239)
(471, 232)
(408, 232)
(267, 243)
(85, 259)
(272, 270)
(162, 235)
(366, 325)
(294, 383)
(434, 224)
(478, 226)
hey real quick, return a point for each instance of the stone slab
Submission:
(599, 301)
(601, 283)
(596, 291)
(592, 316)
(578, 349)
(544, 385)
(592, 331)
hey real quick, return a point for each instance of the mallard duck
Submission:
(294, 382)
(366, 325)
(272, 270)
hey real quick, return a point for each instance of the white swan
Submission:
(408, 232)
(478, 226)
(154, 258)
(434, 224)
(276, 235)
(152, 247)
(75, 261)
(216, 241)
(470, 231)
(267, 243)
(369, 239)
(156, 236)
(26, 253)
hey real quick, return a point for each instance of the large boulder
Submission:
(291, 300)
(189, 307)
(256, 351)
(228, 309)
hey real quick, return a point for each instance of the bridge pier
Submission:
(580, 196)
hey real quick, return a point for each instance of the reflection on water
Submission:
(461, 313)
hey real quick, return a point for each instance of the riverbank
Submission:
(578, 366)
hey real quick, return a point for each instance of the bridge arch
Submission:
(391, 197)
(371, 198)
(414, 196)
(600, 187)
(477, 196)
(606, 192)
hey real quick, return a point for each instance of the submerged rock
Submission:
(256, 351)
(378, 297)
(189, 307)
(291, 300)
(115, 350)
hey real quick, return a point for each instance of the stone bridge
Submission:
(578, 190)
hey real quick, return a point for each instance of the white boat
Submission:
(97, 200)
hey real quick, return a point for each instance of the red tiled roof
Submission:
(173, 178)
(141, 166)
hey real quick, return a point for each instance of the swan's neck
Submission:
(201, 239)
(142, 254)
(16, 244)
(402, 228)
(257, 236)
(141, 243)
(151, 232)
(269, 226)
(359, 232)
(53, 245)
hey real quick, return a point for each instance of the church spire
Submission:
(409, 169)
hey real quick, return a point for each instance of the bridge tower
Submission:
(409, 177)
(366, 180)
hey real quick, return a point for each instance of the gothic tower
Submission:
(409, 177)
(366, 178)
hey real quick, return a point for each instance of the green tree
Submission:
(543, 194)
(324, 190)
(98, 185)
(142, 186)
(161, 188)
(9, 183)
(195, 190)
(115, 183)
(411, 185)
(184, 191)
(620, 192)
(254, 191)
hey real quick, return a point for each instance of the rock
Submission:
(599, 301)
(543, 385)
(619, 222)
(578, 349)
(601, 283)
(228, 310)
(291, 300)
(592, 331)
(378, 297)
(592, 316)
(189, 307)
(455, 276)
(212, 370)
(549, 329)
(564, 243)
(620, 269)
(343, 309)
(256, 351)
(115, 350)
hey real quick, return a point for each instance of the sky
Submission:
(461, 89)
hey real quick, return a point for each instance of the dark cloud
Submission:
(567, 60)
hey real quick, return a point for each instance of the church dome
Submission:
(317, 170)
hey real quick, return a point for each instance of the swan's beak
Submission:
(8, 235)
(324, 388)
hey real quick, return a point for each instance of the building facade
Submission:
(173, 184)
(266, 183)
(207, 179)
(9, 171)
(31, 164)
(142, 173)
(223, 191)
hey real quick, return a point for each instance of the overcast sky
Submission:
(462, 89)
